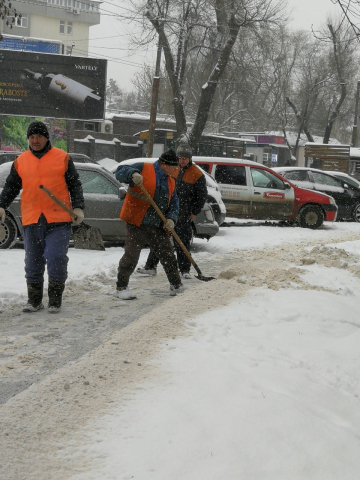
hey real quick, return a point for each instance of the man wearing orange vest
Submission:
(144, 226)
(47, 226)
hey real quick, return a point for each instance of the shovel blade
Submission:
(204, 279)
(87, 237)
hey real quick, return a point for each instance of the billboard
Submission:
(58, 86)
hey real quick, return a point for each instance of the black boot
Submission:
(55, 292)
(35, 295)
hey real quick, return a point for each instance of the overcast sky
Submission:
(111, 38)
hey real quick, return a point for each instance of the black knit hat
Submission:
(38, 128)
(184, 150)
(169, 158)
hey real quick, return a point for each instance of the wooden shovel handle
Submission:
(58, 202)
(173, 233)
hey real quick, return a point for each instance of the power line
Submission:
(113, 59)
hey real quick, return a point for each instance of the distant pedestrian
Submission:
(144, 226)
(47, 226)
(192, 192)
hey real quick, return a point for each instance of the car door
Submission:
(102, 203)
(332, 186)
(234, 187)
(270, 198)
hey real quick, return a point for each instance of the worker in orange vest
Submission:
(47, 226)
(144, 226)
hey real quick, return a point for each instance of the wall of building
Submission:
(128, 126)
(115, 149)
(47, 27)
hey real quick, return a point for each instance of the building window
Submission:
(69, 28)
(21, 22)
(62, 27)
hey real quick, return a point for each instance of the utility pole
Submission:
(154, 102)
(355, 134)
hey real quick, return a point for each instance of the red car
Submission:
(251, 190)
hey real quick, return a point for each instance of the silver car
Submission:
(103, 201)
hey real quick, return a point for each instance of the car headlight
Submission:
(209, 215)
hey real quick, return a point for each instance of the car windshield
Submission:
(349, 181)
(95, 182)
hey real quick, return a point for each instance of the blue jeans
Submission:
(46, 245)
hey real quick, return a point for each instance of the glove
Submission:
(137, 178)
(2, 215)
(169, 225)
(79, 214)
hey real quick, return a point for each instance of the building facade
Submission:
(65, 21)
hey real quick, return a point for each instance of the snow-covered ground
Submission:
(254, 376)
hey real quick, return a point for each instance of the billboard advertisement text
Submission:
(58, 86)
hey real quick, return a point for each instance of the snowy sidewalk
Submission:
(262, 363)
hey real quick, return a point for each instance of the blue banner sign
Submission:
(29, 45)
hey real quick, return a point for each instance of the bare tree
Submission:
(207, 29)
(326, 72)
(350, 12)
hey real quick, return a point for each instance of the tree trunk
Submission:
(209, 89)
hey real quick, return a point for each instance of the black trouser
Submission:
(184, 231)
(136, 239)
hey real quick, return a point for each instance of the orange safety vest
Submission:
(135, 208)
(191, 174)
(49, 170)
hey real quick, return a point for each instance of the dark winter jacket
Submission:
(191, 190)
(13, 184)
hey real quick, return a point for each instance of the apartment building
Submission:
(66, 21)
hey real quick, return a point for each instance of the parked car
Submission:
(8, 156)
(214, 196)
(347, 197)
(251, 190)
(103, 201)
(344, 176)
(81, 158)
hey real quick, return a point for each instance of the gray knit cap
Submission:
(184, 150)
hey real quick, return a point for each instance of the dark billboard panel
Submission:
(58, 86)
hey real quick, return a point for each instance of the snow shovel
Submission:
(200, 276)
(85, 236)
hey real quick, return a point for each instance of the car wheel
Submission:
(311, 216)
(8, 233)
(356, 212)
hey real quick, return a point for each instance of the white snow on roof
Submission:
(139, 116)
(292, 136)
(338, 144)
(107, 142)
